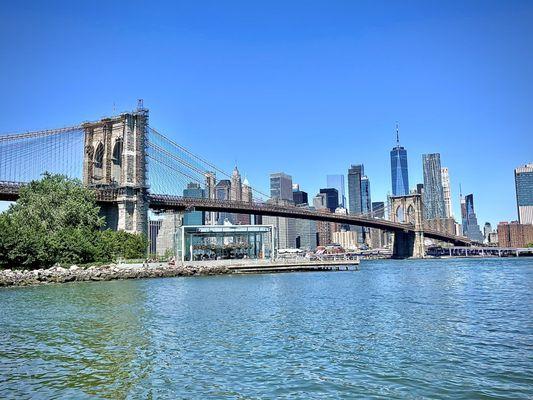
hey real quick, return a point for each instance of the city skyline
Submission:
(313, 74)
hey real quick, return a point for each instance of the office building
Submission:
(399, 171)
(487, 230)
(306, 237)
(433, 197)
(378, 209)
(281, 186)
(194, 190)
(355, 175)
(332, 198)
(347, 239)
(447, 192)
(470, 226)
(524, 193)
(299, 196)
(337, 182)
(223, 192)
(210, 183)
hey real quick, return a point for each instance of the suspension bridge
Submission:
(132, 168)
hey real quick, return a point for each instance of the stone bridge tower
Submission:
(408, 209)
(115, 159)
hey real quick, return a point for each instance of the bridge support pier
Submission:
(408, 245)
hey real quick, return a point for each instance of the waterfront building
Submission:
(524, 193)
(447, 192)
(514, 234)
(399, 170)
(355, 174)
(433, 197)
(306, 232)
(284, 228)
(366, 205)
(379, 238)
(223, 192)
(337, 182)
(332, 198)
(225, 242)
(347, 239)
(281, 186)
(194, 190)
(470, 226)
(324, 229)
(153, 231)
(487, 230)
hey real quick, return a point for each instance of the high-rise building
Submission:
(399, 171)
(210, 183)
(378, 209)
(194, 217)
(281, 186)
(433, 197)
(332, 198)
(523, 177)
(300, 197)
(306, 237)
(355, 173)
(223, 192)
(487, 230)
(366, 200)
(420, 188)
(337, 182)
(470, 226)
(355, 200)
(447, 192)
(320, 201)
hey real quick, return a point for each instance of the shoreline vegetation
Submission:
(108, 272)
(56, 221)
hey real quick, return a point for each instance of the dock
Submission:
(294, 266)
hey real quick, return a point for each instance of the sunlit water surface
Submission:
(395, 329)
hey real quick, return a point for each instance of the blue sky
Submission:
(304, 87)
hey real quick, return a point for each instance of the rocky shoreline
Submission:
(15, 277)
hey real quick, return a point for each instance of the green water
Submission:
(395, 329)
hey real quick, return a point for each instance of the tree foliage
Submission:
(56, 220)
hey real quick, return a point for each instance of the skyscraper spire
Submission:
(397, 134)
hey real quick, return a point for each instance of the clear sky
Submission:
(304, 87)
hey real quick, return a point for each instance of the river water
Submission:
(459, 328)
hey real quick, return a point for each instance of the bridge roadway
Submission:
(9, 192)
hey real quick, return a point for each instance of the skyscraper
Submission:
(281, 186)
(523, 177)
(433, 197)
(332, 198)
(366, 201)
(447, 192)
(236, 185)
(398, 167)
(194, 217)
(470, 226)
(223, 192)
(299, 196)
(337, 182)
(355, 175)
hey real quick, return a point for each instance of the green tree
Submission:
(56, 220)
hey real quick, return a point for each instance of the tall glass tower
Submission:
(398, 168)
(433, 197)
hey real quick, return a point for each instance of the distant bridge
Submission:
(133, 168)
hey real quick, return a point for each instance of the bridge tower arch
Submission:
(115, 159)
(408, 209)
